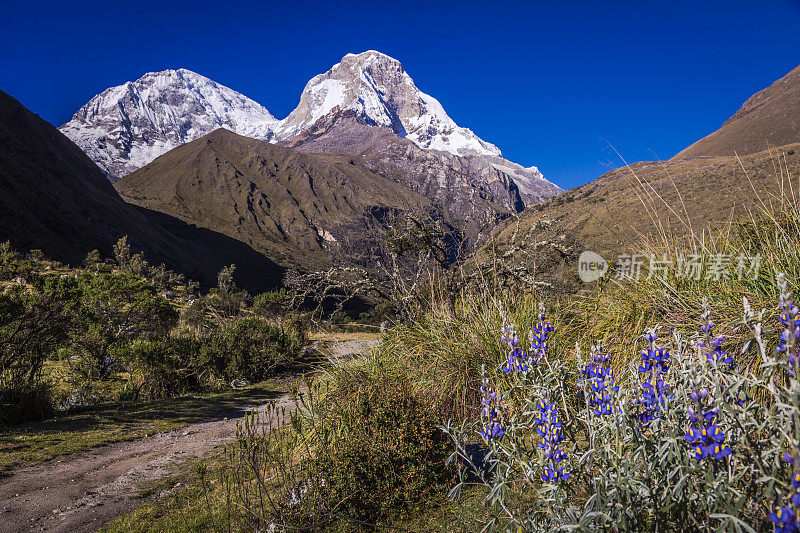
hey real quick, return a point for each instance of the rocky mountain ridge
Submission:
(469, 187)
(127, 126)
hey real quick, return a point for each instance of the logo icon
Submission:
(591, 266)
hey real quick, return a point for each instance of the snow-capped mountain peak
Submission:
(381, 92)
(127, 126)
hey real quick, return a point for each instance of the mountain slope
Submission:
(770, 117)
(694, 192)
(125, 127)
(128, 126)
(52, 197)
(302, 210)
(468, 188)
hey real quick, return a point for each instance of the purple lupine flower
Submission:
(516, 359)
(598, 377)
(706, 438)
(490, 402)
(788, 342)
(786, 519)
(548, 425)
(655, 391)
(540, 336)
(710, 345)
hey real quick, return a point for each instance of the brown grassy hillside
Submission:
(767, 119)
(669, 202)
(299, 209)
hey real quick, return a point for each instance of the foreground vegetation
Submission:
(123, 331)
(642, 404)
(651, 403)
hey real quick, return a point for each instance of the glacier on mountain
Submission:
(127, 126)
(380, 91)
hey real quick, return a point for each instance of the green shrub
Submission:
(167, 367)
(115, 310)
(272, 303)
(380, 452)
(34, 321)
(254, 349)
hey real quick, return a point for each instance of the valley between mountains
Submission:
(203, 176)
(319, 188)
(147, 245)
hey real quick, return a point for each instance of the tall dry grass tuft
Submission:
(441, 352)
(617, 311)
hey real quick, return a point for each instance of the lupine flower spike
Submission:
(540, 337)
(548, 426)
(490, 403)
(655, 392)
(706, 437)
(516, 360)
(787, 518)
(598, 378)
(710, 345)
(787, 344)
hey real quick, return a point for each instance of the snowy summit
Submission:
(380, 91)
(125, 127)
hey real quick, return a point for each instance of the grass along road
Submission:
(83, 491)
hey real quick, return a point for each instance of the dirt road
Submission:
(84, 491)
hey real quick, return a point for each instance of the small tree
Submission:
(92, 259)
(116, 309)
(7, 253)
(130, 263)
(226, 300)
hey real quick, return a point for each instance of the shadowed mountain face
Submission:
(767, 119)
(299, 209)
(54, 198)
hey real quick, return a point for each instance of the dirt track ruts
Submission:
(85, 491)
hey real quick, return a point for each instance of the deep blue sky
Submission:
(550, 83)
